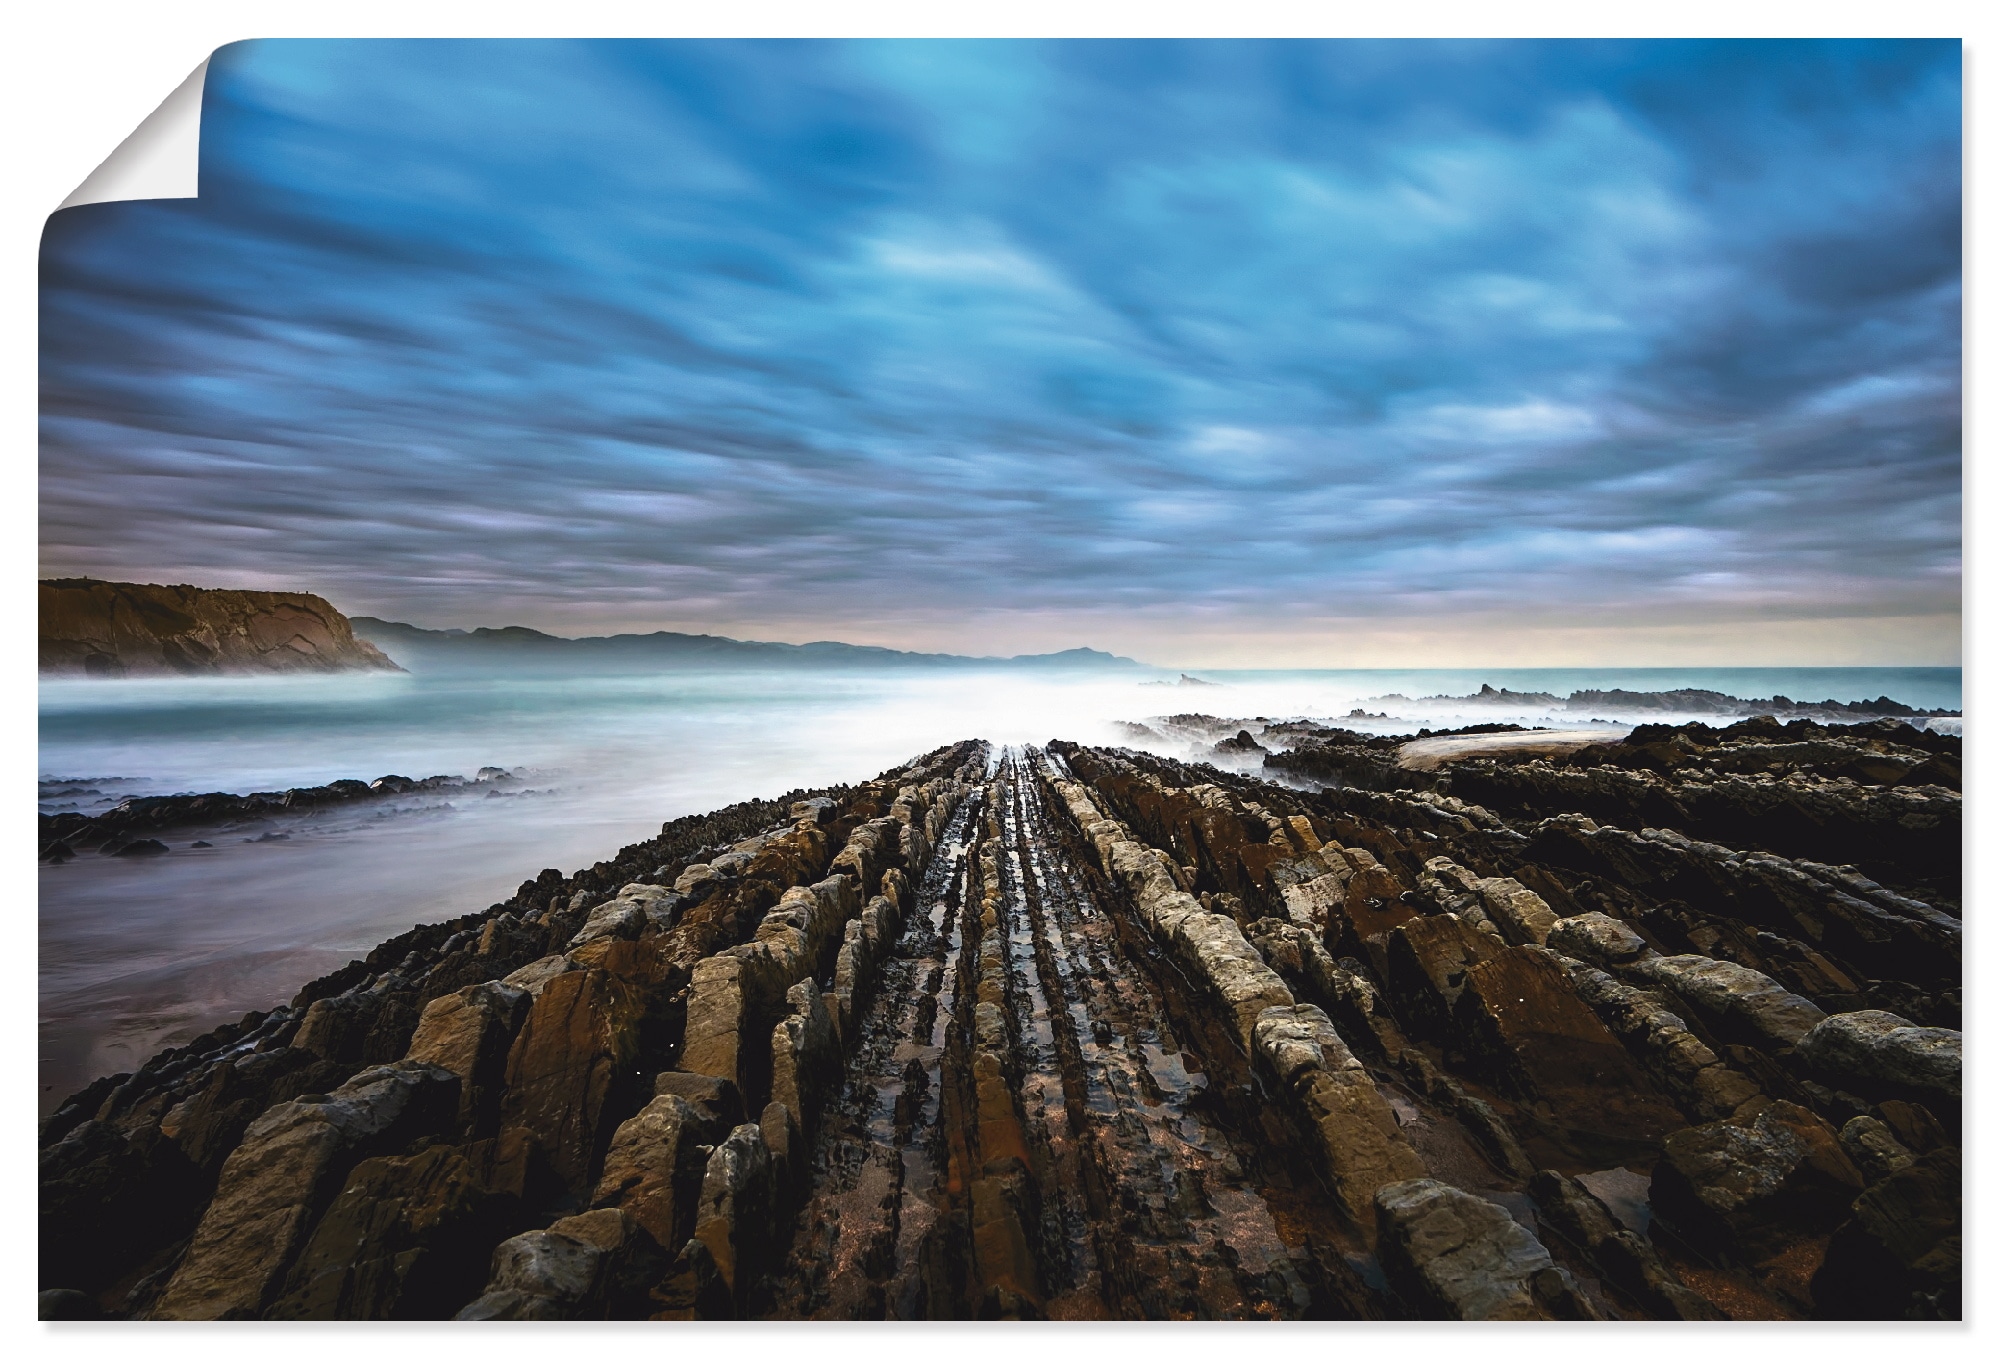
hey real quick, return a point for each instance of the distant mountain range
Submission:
(517, 648)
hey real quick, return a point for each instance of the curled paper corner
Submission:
(162, 157)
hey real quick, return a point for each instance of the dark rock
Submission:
(273, 1185)
(406, 1239)
(1752, 1184)
(1874, 1052)
(1464, 1258)
(1900, 1256)
(66, 1304)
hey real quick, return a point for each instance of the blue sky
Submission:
(1213, 352)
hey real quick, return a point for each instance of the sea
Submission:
(138, 954)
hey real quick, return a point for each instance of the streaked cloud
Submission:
(917, 343)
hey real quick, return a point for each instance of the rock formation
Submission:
(111, 629)
(1076, 1033)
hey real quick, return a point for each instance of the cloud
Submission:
(890, 340)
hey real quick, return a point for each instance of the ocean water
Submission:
(137, 954)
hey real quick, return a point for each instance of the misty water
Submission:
(137, 954)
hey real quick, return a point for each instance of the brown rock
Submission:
(110, 628)
(273, 1185)
(407, 1239)
(1520, 1008)
(576, 1051)
(469, 1033)
(655, 1166)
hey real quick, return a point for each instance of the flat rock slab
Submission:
(1435, 752)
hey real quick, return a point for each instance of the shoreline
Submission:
(934, 923)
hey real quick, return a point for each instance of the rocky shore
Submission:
(1663, 1028)
(129, 828)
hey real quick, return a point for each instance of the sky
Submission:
(1209, 353)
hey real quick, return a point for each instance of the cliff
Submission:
(114, 629)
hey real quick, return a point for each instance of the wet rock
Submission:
(1873, 1051)
(1900, 1257)
(406, 1239)
(469, 1033)
(1751, 1184)
(1736, 996)
(1625, 1258)
(655, 1166)
(1463, 1258)
(1597, 939)
(273, 1185)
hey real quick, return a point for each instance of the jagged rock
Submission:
(372, 1025)
(573, 1058)
(1705, 1087)
(406, 1239)
(1521, 915)
(1357, 1135)
(1736, 995)
(536, 975)
(819, 811)
(469, 1033)
(655, 1166)
(717, 1098)
(619, 918)
(1463, 1257)
(108, 1199)
(1753, 1182)
(1520, 1008)
(1426, 962)
(732, 1218)
(805, 1060)
(1873, 1148)
(1900, 1255)
(540, 1276)
(274, 1183)
(1626, 1258)
(1873, 1051)
(1597, 939)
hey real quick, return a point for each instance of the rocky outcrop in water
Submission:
(112, 629)
(130, 824)
(1071, 1033)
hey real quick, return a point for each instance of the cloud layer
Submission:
(1225, 350)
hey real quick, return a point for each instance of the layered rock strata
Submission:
(1071, 1033)
(111, 629)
